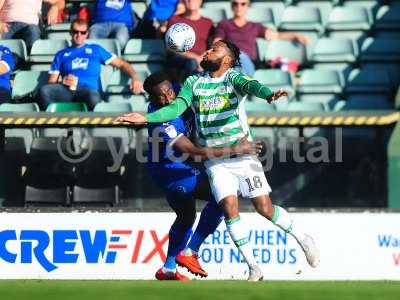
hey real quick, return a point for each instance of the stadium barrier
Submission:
(356, 246)
(376, 120)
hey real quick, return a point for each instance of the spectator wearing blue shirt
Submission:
(7, 64)
(182, 182)
(79, 67)
(113, 19)
(155, 18)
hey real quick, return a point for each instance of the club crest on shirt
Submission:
(88, 50)
(115, 4)
(80, 63)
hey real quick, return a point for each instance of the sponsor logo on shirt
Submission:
(115, 4)
(221, 102)
(80, 63)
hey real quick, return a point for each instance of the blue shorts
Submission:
(178, 182)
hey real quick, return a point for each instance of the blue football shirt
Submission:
(164, 134)
(7, 59)
(161, 10)
(114, 11)
(83, 62)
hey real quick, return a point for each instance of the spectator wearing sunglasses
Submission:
(113, 19)
(75, 72)
(244, 33)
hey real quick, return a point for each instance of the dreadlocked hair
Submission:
(234, 52)
(153, 80)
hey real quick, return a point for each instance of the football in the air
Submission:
(180, 37)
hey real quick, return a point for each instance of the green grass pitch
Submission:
(202, 290)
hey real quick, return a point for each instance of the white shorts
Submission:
(243, 174)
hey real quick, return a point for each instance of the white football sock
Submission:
(282, 219)
(241, 240)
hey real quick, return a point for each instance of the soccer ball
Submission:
(180, 37)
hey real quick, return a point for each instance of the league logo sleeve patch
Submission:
(171, 131)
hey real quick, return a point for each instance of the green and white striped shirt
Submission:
(221, 118)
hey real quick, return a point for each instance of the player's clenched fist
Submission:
(134, 118)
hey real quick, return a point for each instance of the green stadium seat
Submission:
(67, 107)
(276, 6)
(345, 18)
(263, 15)
(138, 102)
(110, 45)
(367, 81)
(317, 81)
(380, 50)
(324, 6)
(24, 134)
(59, 31)
(215, 14)
(387, 18)
(94, 183)
(61, 107)
(112, 107)
(27, 84)
(106, 73)
(120, 81)
(305, 106)
(58, 35)
(124, 134)
(139, 8)
(371, 5)
(257, 105)
(19, 107)
(328, 101)
(349, 22)
(47, 174)
(43, 51)
(145, 50)
(334, 53)
(275, 79)
(322, 86)
(284, 49)
(17, 47)
(148, 67)
(210, 5)
(298, 18)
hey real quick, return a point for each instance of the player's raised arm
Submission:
(252, 87)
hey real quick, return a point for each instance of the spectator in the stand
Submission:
(155, 19)
(79, 67)
(19, 19)
(189, 61)
(244, 33)
(7, 65)
(113, 19)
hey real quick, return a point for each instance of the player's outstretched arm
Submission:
(184, 145)
(252, 87)
(167, 113)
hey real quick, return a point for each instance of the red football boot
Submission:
(161, 275)
(191, 263)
